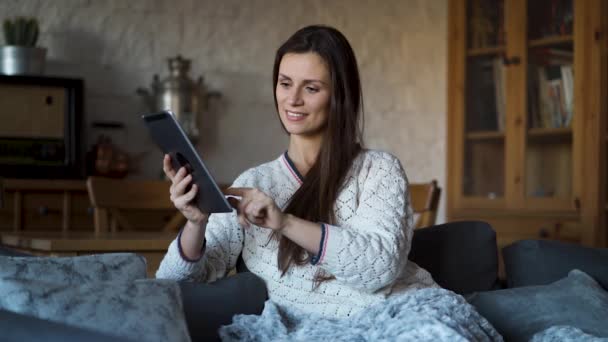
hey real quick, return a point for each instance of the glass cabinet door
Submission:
(484, 136)
(550, 100)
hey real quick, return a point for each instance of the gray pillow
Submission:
(142, 310)
(541, 262)
(75, 270)
(519, 313)
(461, 256)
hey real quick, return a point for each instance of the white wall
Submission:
(117, 45)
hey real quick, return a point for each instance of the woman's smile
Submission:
(295, 116)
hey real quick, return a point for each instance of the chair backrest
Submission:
(425, 202)
(110, 197)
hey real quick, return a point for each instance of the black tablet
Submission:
(172, 140)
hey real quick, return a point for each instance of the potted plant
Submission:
(20, 56)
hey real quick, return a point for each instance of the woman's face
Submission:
(303, 94)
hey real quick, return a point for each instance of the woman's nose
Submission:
(295, 98)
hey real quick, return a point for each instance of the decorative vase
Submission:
(22, 60)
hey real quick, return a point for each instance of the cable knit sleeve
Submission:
(369, 250)
(223, 244)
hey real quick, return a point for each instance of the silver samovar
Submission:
(179, 94)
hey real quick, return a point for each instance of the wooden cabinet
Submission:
(527, 107)
(45, 205)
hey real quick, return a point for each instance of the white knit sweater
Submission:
(366, 251)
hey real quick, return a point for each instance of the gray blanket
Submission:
(561, 333)
(431, 314)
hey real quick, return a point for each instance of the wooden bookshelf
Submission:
(485, 135)
(527, 181)
(560, 131)
(550, 135)
(550, 41)
(488, 51)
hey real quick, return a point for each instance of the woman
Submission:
(328, 224)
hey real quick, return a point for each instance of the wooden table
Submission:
(151, 245)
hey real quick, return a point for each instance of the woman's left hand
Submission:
(257, 208)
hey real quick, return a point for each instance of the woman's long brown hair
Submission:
(314, 200)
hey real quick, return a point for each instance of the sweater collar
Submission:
(292, 168)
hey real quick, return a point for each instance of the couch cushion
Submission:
(75, 270)
(209, 306)
(18, 328)
(540, 262)
(461, 256)
(143, 310)
(518, 313)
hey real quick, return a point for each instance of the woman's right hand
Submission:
(181, 199)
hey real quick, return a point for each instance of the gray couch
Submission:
(461, 256)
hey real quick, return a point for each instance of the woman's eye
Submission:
(284, 84)
(312, 90)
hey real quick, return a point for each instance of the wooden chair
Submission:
(425, 202)
(111, 197)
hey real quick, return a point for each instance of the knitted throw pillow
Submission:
(142, 310)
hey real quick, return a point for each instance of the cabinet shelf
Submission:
(485, 135)
(549, 41)
(486, 51)
(544, 135)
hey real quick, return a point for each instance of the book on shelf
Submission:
(486, 23)
(499, 90)
(500, 31)
(561, 17)
(568, 85)
(554, 18)
(481, 114)
(550, 96)
(545, 56)
(534, 116)
(486, 96)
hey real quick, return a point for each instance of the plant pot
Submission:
(22, 60)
